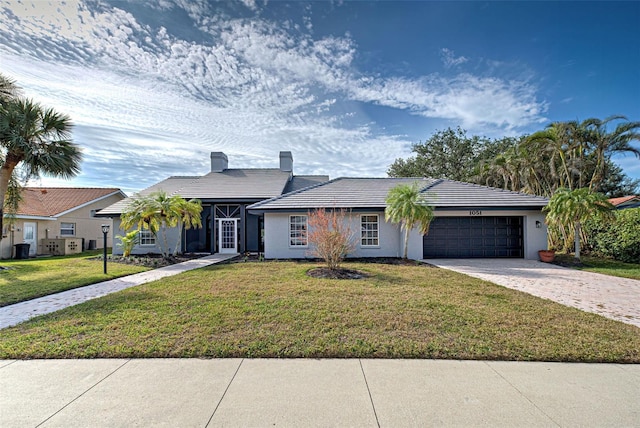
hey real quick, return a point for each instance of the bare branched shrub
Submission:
(330, 236)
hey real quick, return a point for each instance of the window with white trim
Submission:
(298, 231)
(146, 237)
(369, 231)
(67, 229)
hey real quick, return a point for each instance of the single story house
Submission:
(57, 220)
(266, 210)
(469, 220)
(624, 202)
(225, 194)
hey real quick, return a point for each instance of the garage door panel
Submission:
(466, 237)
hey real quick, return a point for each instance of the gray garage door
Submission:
(467, 237)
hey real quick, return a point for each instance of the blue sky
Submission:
(153, 87)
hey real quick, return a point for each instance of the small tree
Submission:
(330, 236)
(409, 207)
(188, 214)
(159, 211)
(128, 241)
(570, 208)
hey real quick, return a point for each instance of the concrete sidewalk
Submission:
(308, 393)
(20, 312)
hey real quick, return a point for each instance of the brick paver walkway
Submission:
(19, 312)
(609, 296)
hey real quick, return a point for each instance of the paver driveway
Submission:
(609, 296)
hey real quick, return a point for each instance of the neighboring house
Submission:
(470, 220)
(225, 194)
(56, 214)
(632, 201)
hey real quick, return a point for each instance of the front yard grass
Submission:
(32, 278)
(611, 267)
(600, 265)
(273, 309)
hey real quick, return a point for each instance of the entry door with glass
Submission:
(228, 235)
(30, 237)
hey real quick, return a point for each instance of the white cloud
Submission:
(473, 101)
(251, 4)
(248, 87)
(136, 134)
(450, 60)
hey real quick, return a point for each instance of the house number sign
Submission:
(475, 212)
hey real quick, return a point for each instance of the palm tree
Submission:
(8, 89)
(407, 205)
(158, 211)
(37, 139)
(605, 144)
(571, 208)
(555, 144)
(188, 217)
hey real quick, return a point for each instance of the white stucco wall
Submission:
(276, 238)
(392, 238)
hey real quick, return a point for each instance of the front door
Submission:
(29, 236)
(228, 236)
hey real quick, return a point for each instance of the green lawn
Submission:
(611, 267)
(273, 309)
(601, 265)
(31, 278)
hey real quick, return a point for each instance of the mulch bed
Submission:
(342, 273)
(567, 260)
(154, 261)
(150, 260)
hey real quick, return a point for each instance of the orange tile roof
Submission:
(51, 201)
(622, 200)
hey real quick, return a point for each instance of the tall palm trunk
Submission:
(576, 240)
(179, 240)
(406, 241)
(6, 171)
(165, 243)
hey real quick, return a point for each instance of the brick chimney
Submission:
(286, 162)
(219, 162)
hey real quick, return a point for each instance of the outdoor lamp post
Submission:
(105, 230)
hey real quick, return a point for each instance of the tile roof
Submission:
(230, 184)
(372, 193)
(456, 194)
(622, 200)
(238, 184)
(52, 201)
(299, 182)
(341, 193)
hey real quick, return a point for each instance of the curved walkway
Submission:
(20, 312)
(609, 296)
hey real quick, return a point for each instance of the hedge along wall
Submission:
(618, 239)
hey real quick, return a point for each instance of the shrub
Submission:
(619, 239)
(128, 241)
(330, 236)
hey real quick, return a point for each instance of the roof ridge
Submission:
(491, 187)
(176, 192)
(388, 178)
(68, 188)
(247, 169)
(275, 198)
